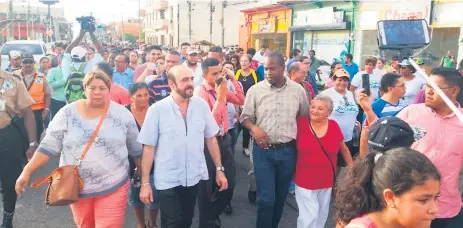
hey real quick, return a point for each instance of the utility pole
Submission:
(122, 26)
(28, 18)
(222, 21)
(212, 9)
(10, 16)
(189, 20)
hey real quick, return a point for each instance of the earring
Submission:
(392, 206)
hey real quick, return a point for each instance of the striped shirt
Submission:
(159, 88)
(383, 108)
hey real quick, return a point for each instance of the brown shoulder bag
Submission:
(64, 183)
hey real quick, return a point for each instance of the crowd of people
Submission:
(167, 123)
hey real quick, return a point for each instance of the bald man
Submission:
(175, 128)
(297, 72)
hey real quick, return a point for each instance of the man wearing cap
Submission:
(192, 63)
(37, 85)
(74, 56)
(15, 61)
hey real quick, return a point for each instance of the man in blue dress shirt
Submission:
(122, 74)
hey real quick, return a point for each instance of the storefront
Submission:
(447, 30)
(371, 12)
(324, 30)
(267, 25)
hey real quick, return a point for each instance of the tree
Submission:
(128, 37)
(142, 36)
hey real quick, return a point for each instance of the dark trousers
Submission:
(246, 136)
(211, 202)
(12, 151)
(455, 222)
(177, 206)
(274, 169)
(55, 106)
(234, 137)
(38, 123)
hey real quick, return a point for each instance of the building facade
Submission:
(34, 24)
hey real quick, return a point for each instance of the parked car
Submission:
(36, 47)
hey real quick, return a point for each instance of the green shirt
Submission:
(56, 82)
(448, 62)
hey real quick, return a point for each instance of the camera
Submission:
(87, 23)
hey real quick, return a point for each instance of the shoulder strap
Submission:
(254, 76)
(237, 75)
(82, 67)
(95, 134)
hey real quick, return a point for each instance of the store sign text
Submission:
(399, 14)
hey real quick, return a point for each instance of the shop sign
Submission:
(267, 25)
(372, 12)
(318, 16)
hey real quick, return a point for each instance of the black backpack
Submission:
(74, 88)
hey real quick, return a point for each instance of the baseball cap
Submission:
(419, 61)
(191, 51)
(27, 56)
(405, 62)
(341, 73)
(389, 133)
(14, 54)
(78, 52)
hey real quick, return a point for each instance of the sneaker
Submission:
(246, 152)
(7, 220)
(252, 196)
(228, 209)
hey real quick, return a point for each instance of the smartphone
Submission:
(218, 81)
(366, 84)
(399, 34)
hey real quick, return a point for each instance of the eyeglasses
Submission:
(399, 86)
(429, 87)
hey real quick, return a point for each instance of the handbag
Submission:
(64, 183)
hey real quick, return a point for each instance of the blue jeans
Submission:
(274, 170)
(234, 137)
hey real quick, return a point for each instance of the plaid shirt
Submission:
(275, 110)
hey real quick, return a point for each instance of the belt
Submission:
(222, 137)
(291, 143)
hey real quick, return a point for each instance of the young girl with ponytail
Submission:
(396, 188)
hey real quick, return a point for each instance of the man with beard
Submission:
(192, 63)
(212, 202)
(173, 136)
(159, 88)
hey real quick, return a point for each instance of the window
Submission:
(34, 49)
(162, 14)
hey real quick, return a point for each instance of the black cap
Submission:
(27, 56)
(389, 133)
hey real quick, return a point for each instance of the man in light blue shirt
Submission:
(173, 134)
(122, 74)
(74, 56)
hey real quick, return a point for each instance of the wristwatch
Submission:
(33, 144)
(220, 168)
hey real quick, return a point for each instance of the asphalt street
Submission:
(31, 212)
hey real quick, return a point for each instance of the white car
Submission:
(36, 47)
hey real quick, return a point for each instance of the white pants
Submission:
(314, 206)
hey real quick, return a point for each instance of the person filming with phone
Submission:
(215, 92)
(369, 80)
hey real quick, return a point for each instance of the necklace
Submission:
(245, 78)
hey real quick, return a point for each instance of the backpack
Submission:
(74, 88)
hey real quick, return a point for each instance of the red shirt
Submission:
(313, 169)
(119, 94)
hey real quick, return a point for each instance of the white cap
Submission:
(78, 52)
(15, 54)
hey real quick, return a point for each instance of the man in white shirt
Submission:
(192, 63)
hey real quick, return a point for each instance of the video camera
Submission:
(87, 23)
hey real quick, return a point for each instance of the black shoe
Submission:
(228, 209)
(217, 222)
(7, 220)
(252, 196)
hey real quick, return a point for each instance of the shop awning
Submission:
(264, 9)
(321, 27)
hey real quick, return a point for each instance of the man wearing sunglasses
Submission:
(37, 86)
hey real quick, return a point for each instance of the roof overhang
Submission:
(266, 8)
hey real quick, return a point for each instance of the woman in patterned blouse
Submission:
(104, 169)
